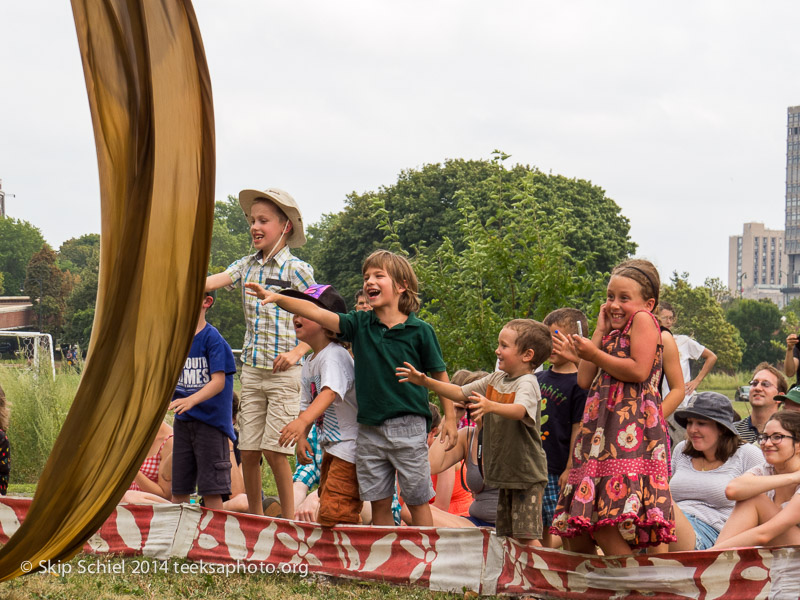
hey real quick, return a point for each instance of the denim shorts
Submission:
(705, 535)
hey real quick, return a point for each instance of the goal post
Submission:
(35, 348)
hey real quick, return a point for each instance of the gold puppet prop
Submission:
(150, 99)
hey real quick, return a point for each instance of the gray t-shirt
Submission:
(702, 493)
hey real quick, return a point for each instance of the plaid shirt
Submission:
(270, 331)
(310, 473)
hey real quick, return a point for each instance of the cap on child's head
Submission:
(284, 201)
(325, 296)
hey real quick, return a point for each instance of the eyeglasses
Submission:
(764, 384)
(775, 438)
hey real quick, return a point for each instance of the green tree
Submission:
(700, 316)
(515, 265)
(78, 254)
(19, 240)
(50, 286)
(230, 241)
(759, 324)
(424, 206)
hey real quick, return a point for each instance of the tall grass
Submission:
(38, 407)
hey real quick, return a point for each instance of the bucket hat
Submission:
(708, 405)
(286, 203)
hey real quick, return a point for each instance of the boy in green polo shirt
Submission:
(394, 418)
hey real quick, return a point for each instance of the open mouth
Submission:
(373, 293)
(297, 325)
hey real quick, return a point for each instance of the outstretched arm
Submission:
(303, 308)
(214, 282)
(408, 374)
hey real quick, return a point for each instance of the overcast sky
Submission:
(677, 110)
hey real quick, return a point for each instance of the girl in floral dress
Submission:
(617, 494)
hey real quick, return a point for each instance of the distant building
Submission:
(757, 264)
(792, 288)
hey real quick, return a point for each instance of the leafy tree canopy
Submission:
(230, 241)
(78, 254)
(51, 286)
(19, 240)
(424, 207)
(700, 316)
(759, 324)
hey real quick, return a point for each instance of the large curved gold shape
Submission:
(150, 98)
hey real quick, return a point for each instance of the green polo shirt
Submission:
(378, 351)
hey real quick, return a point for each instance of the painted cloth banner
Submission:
(150, 99)
(438, 559)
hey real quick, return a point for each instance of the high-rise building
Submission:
(792, 226)
(757, 264)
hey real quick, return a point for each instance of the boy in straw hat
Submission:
(271, 353)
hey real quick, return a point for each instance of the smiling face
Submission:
(777, 454)
(703, 433)
(764, 391)
(623, 299)
(267, 225)
(381, 291)
(310, 332)
(509, 357)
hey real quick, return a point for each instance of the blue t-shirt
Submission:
(209, 354)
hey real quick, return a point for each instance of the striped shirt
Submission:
(270, 330)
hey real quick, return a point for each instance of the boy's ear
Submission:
(401, 288)
(287, 228)
(528, 355)
(208, 302)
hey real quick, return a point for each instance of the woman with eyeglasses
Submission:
(767, 383)
(767, 511)
(710, 457)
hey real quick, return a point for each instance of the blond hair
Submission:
(400, 271)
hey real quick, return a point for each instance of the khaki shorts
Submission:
(270, 401)
(519, 513)
(338, 492)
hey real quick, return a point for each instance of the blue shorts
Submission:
(480, 522)
(705, 535)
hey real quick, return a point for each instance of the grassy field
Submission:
(88, 576)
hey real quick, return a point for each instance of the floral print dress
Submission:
(619, 475)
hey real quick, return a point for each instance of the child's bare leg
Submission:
(213, 501)
(581, 543)
(551, 540)
(282, 470)
(421, 515)
(251, 473)
(611, 541)
(180, 498)
(382, 512)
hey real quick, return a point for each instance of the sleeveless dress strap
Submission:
(630, 322)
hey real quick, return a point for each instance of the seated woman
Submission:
(767, 510)
(483, 510)
(702, 467)
(152, 483)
